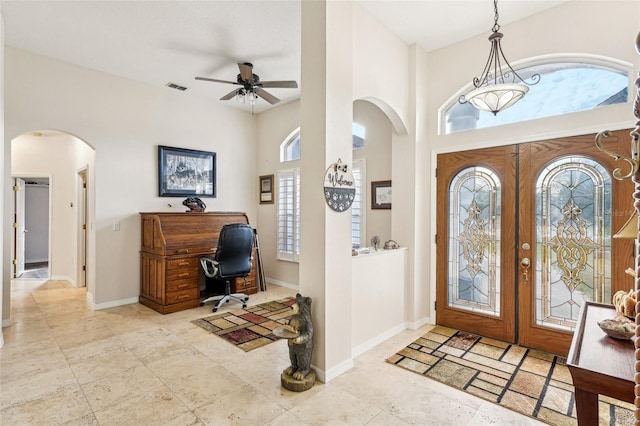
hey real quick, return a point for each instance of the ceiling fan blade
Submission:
(229, 95)
(215, 80)
(291, 84)
(246, 71)
(267, 96)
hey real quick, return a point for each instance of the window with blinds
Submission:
(289, 214)
(358, 207)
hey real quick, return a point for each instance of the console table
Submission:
(599, 364)
(171, 246)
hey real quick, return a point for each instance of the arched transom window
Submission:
(564, 87)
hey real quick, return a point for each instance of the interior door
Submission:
(525, 237)
(19, 227)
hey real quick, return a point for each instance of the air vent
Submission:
(176, 86)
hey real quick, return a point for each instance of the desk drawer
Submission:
(182, 274)
(180, 285)
(182, 296)
(240, 285)
(184, 262)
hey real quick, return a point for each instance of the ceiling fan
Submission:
(252, 88)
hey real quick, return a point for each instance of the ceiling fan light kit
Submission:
(252, 88)
(493, 91)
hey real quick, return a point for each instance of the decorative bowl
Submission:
(285, 332)
(618, 328)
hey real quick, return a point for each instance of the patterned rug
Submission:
(534, 383)
(249, 328)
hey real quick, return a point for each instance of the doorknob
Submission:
(525, 263)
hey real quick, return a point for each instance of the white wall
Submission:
(378, 312)
(380, 65)
(274, 126)
(125, 121)
(4, 248)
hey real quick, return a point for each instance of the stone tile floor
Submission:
(63, 363)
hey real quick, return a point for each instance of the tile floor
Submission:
(63, 363)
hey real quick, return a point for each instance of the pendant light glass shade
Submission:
(497, 97)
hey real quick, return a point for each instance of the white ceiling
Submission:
(157, 42)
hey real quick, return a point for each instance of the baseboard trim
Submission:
(113, 304)
(325, 376)
(282, 283)
(6, 323)
(417, 324)
(364, 347)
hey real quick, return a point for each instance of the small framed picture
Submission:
(381, 194)
(266, 189)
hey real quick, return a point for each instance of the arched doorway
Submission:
(65, 161)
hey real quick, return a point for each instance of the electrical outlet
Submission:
(116, 226)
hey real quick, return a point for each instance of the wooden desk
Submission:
(599, 364)
(172, 243)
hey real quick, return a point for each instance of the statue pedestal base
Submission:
(294, 385)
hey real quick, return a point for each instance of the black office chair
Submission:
(231, 260)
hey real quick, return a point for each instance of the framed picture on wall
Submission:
(266, 189)
(186, 172)
(381, 194)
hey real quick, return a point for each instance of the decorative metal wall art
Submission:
(339, 187)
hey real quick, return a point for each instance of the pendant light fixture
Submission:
(499, 86)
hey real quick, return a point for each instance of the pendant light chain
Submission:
(495, 27)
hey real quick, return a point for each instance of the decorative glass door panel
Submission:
(573, 240)
(474, 236)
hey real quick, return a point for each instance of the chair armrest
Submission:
(209, 266)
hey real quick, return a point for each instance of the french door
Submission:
(525, 237)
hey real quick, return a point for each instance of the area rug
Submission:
(252, 327)
(534, 383)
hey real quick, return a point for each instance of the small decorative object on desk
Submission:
(619, 328)
(375, 242)
(391, 245)
(625, 303)
(195, 204)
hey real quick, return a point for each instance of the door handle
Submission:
(525, 263)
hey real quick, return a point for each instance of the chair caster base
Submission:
(214, 310)
(244, 306)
